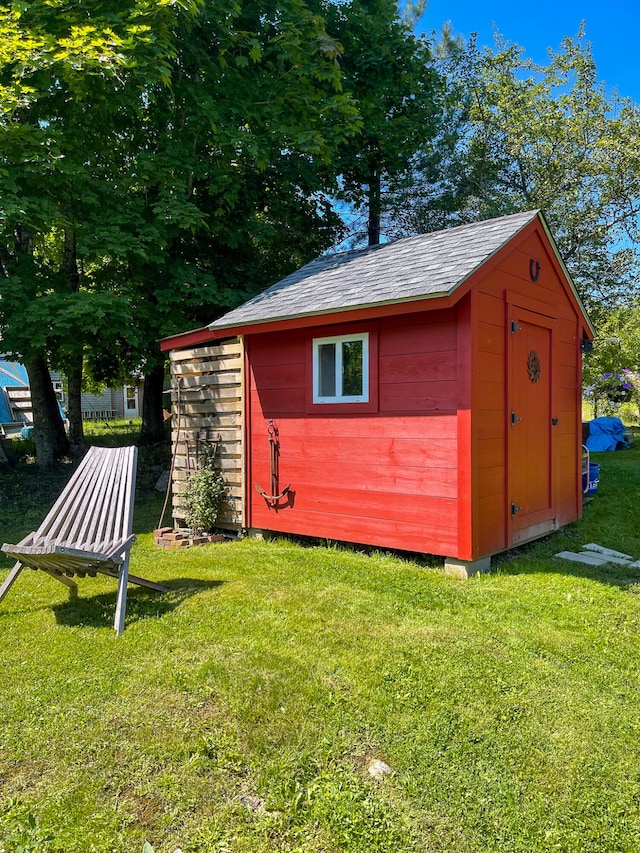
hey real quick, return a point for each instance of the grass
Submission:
(239, 711)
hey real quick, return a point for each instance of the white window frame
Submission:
(130, 393)
(338, 340)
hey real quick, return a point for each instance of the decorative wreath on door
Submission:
(534, 368)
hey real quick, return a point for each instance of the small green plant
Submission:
(204, 494)
(20, 831)
(24, 449)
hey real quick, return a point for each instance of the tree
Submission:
(128, 135)
(59, 63)
(389, 73)
(617, 345)
(228, 159)
(550, 137)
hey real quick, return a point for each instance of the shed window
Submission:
(341, 369)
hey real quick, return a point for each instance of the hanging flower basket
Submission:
(610, 389)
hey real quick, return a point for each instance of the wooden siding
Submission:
(489, 422)
(100, 406)
(509, 283)
(207, 401)
(430, 461)
(387, 478)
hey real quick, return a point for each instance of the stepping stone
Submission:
(607, 551)
(608, 558)
(586, 558)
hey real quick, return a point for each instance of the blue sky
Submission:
(612, 27)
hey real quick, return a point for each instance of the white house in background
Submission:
(120, 403)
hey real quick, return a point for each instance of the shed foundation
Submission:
(464, 569)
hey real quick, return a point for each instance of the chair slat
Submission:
(87, 532)
(87, 504)
(58, 515)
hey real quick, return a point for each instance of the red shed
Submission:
(422, 395)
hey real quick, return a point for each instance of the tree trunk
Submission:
(374, 202)
(152, 431)
(48, 429)
(74, 365)
(74, 410)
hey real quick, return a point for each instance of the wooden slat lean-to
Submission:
(20, 404)
(88, 530)
(207, 407)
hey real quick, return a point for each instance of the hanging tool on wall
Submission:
(274, 455)
(201, 448)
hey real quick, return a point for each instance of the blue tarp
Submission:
(606, 434)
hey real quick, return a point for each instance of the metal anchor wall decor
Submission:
(275, 497)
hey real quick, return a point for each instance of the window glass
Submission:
(352, 368)
(327, 370)
(340, 369)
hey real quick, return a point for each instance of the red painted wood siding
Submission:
(426, 468)
(510, 281)
(387, 478)
(489, 417)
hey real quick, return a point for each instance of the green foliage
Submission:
(161, 161)
(204, 494)
(616, 350)
(24, 448)
(389, 73)
(543, 136)
(617, 343)
(19, 832)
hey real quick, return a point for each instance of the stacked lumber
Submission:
(207, 411)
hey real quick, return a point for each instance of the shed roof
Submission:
(429, 265)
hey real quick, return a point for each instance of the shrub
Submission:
(204, 495)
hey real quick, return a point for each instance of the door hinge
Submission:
(514, 508)
(515, 327)
(515, 418)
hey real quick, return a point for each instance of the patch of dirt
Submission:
(147, 809)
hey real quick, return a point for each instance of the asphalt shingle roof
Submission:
(417, 267)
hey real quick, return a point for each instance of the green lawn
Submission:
(239, 711)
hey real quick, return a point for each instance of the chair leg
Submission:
(8, 583)
(121, 603)
(148, 584)
(73, 586)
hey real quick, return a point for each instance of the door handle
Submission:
(514, 418)
(554, 421)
